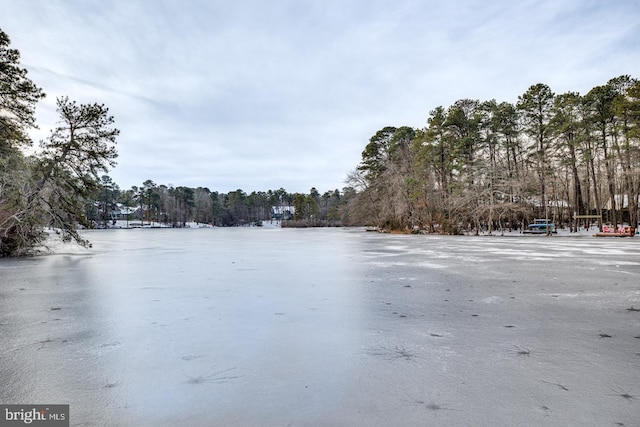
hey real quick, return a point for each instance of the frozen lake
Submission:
(325, 327)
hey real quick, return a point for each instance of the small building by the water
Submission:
(285, 213)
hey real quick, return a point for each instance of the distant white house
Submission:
(622, 201)
(124, 212)
(282, 212)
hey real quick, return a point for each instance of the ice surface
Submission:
(327, 327)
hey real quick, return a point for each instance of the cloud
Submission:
(257, 95)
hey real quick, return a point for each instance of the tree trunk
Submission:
(596, 193)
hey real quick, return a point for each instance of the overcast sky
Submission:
(260, 95)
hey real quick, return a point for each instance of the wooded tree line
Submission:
(48, 188)
(483, 165)
(175, 206)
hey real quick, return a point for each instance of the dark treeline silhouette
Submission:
(177, 206)
(477, 166)
(482, 166)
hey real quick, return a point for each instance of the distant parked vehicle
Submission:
(540, 226)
